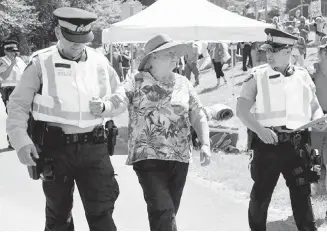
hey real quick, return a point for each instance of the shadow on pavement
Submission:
(288, 224)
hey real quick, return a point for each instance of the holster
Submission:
(111, 131)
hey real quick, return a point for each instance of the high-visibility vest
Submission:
(283, 101)
(68, 88)
(16, 72)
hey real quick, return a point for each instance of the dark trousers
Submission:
(90, 167)
(267, 163)
(162, 183)
(246, 55)
(218, 66)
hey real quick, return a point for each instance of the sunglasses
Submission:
(275, 50)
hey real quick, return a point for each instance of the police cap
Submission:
(278, 39)
(10, 45)
(75, 24)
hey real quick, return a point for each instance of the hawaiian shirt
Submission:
(159, 118)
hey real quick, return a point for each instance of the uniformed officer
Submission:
(285, 99)
(11, 69)
(72, 88)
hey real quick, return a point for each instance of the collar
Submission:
(288, 71)
(82, 58)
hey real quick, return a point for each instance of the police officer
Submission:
(285, 99)
(11, 69)
(72, 88)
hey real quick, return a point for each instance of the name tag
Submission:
(274, 76)
(60, 65)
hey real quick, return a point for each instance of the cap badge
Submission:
(269, 38)
(81, 28)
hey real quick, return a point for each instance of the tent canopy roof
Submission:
(186, 20)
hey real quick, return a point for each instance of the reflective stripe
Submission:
(63, 114)
(269, 115)
(266, 96)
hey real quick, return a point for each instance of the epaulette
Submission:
(261, 66)
(44, 50)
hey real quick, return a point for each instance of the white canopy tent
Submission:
(185, 20)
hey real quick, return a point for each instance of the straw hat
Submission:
(162, 42)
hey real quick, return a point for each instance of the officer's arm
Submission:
(20, 104)
(116, 103)
(245, 103)
(5, 71)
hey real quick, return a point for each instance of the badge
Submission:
(269, 38)
(274, 76)
(81, 28)
(60, 65)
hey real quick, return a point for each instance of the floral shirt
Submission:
(159, 121)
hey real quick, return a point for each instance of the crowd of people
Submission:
(58, 104)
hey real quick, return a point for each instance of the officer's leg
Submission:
(300, 193)
(97, 185)
(59, 194)
(153, 176)
(177, 181)
(265, 170)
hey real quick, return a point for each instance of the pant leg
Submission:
(153, 177)
(220, 67)
(216, 68)
(195, 71)
(188, 71)
(245, 56)
(300, 195)
(265, 170)
(97, 186)
(250, 59)
(177, 181)
(59, 194)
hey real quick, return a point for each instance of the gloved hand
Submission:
(26, 153)
(96, 106)
(205, 155)
(268, 136)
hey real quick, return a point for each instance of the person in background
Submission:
(126, 61)
(216, 51)
(318, 25)
(117, 62)
(304, 29)
(163, 106)
(247, 54)
(299, 49)
(11, 70)
(191, 64)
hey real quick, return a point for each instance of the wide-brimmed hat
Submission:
(162, 42)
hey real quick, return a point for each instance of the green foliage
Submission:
(31, 21)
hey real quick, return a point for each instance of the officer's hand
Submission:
(96, 106)
(25, 155)
(205, 155)
(11, 57)
(268, 136)
(321, 126)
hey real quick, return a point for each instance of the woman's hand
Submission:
(205, 155)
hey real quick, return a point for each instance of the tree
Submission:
(290, 4)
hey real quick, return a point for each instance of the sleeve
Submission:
(3, 66)
(194, 101)
(116, 103)
(249, 88)
(317, 111)
(19, 106)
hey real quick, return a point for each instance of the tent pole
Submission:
(232, 57)
(132, 58)
(111, 53)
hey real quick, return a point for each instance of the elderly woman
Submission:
(163, 106)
